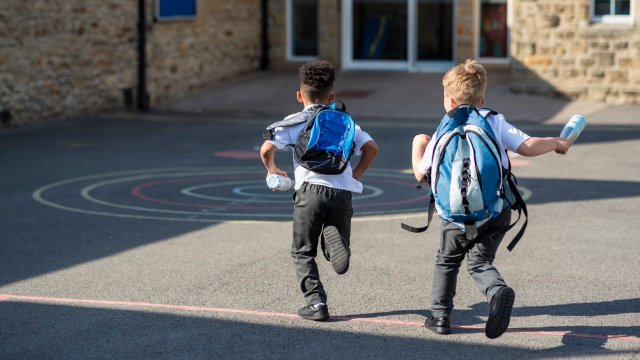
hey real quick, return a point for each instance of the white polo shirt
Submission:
(285, 136)
(508, 137)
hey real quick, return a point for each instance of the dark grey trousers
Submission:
(315, 207)
(480, 254)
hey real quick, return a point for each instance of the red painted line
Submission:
(41, 299)
(238, 155)
(137, 192)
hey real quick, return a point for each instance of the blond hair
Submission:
(466, 83)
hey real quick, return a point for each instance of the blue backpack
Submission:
(327, 140)
(468, 184)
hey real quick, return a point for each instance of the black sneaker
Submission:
(338, 250)
(440, 325)
(318, 312)
(500, 312)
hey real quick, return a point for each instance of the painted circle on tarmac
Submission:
(217, 194)
(214, 194)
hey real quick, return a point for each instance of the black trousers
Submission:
(480, 253)
(315, 207)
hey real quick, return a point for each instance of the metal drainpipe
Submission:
(264, 54)
(143, 97)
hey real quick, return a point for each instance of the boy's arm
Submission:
(369, 152)
(267, 155)
(537, 146)
(418, 147)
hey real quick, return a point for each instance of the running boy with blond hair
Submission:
(464, 93)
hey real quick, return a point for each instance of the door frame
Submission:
(289, 35)
(411, 64)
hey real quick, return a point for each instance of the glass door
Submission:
(435, 23)
(376, 34)
(405, 35)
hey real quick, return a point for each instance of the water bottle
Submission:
(279, 182)
(574, 127)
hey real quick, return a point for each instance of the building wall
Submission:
(222, 42)
(328, 38)
(329, 13)
(70, 57)
(556, 50)
(465, 23)
(62, 57)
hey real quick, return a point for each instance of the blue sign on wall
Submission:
(167, 10)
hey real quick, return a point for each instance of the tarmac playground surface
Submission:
(153, 236)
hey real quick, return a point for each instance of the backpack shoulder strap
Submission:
(338, 105)
(485, 112)
(432, 207)
(301, 117)
(521, 207)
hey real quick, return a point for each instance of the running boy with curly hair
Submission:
(322, 203)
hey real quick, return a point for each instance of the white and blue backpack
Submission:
(468, 184)
(327, 139)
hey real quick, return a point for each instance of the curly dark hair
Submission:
(316, 79)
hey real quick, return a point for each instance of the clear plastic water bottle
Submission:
(279, 182)
(573, 128)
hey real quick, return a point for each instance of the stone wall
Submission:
(556, 50)
(465, 23)
(328, 36)
(63, 58)
(223, 41)
(278, 34)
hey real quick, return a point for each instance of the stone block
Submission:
(597, 93)
(587, 62)
(549, 21)
(621, 45)
(605, 59)
(599, 45)
(616, 76)
(537, 60)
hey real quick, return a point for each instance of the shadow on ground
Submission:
(33, 331)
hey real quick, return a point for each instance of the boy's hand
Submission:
(267, 155)
(562, 146)
(276, 170)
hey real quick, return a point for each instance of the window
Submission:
(494, 31)
(168, 10)
(302, 29)
(611, 11)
